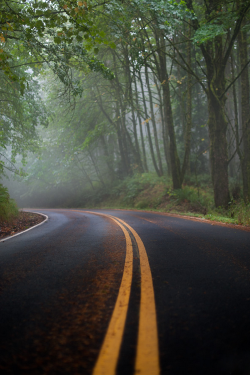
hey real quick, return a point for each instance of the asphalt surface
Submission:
(59, 283)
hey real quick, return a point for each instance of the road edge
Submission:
(184, 216)
(26, 230)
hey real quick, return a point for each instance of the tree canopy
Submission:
(128, 87)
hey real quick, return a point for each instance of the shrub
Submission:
(203, 180)
(242, 213)
(130, 187)
(190, 194)
(236, 191)
(8, 207)
(142, 204)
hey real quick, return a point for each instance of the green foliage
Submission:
(8, 207)
(190, 194)
(241, 212)
(148, 191)
(208, 32)
(215, 21)
(53, 32)
(98, 51)
(130, 187)
(20, 115)
(142, 204)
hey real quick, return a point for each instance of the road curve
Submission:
(186, 306)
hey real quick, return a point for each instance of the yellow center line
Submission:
(147, 353)
(109, 353)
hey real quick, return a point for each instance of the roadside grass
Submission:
(149, 192)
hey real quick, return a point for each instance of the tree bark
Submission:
(148, 130)
(140, 124)
(164, 79)
(216, 53)
(217, 125)
(85, 173)
(120, 120)
(187, 138)
(96, 168)
(108, 157)
(131, 100)
(164, 128)
(245, 111)
(154, 123)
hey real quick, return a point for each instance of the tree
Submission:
(51, 32)
(216, 37)
(216, 26)
(20, 115)
(244, 152)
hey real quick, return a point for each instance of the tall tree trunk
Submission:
(164, 128)
(148, 129)
(108, 157)
(117, 127)
(217, 125)
(245, 159)
(164, 79)
(85, 173)
(216, 53)
(131, 99)
(140, 124)
(174, 158)
(121, 126)
(217, 122)
(187, 138)
(96, 168)
(154, 123)
(232, 108)
(122, 140)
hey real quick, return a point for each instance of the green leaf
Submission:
(39, 25)
(79, 38)
(57, 39)
(102, 34)
(208, 32)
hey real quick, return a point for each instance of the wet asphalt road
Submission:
(59, 283)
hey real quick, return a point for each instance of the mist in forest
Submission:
(155, 98)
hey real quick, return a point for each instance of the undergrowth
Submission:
(8, 207)
(149, 192)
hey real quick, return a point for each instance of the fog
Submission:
(141, 103)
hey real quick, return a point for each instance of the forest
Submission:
(126, 103)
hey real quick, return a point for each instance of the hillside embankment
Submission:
(149, 192)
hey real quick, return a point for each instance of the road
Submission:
(125, 292)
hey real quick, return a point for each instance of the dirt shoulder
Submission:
(24, 221)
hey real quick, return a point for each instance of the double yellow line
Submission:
(147, 353)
